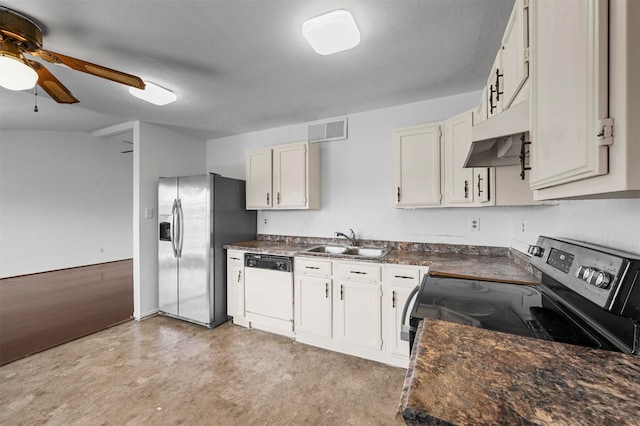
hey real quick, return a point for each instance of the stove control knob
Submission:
(584, 272)
(602, 279)
(536, 251)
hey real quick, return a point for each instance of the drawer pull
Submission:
(311, 267)
(234, 258)
(404, 277)
(359, 272)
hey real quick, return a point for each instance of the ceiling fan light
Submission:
(154, 94)
(332, 32)
(15, 74)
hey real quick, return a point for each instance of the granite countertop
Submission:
(470, 376)
(458, 261)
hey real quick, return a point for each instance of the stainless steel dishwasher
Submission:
(269, 292)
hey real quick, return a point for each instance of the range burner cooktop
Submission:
(589, 296)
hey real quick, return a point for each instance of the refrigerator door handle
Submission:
(173, 228)
(180, 228)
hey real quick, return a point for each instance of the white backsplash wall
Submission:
(357, 191)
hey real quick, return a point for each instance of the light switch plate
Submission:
(148, 213)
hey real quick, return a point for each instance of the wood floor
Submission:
(162, 371)
(43, 310)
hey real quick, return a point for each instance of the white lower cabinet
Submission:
(358, 319)
(313, 306)
(235, 287)
(399, 280)
(354, 307)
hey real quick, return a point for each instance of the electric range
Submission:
(589, 296)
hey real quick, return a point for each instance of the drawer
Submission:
(403, 275)
(360, 271)
(235, 257)
(307, 266)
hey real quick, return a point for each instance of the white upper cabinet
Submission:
(259, 174)
(417, 165)
(585, 59)
(570, 132)
(514, 57)
(462, 187)
(284, 177)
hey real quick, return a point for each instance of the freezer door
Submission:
(167, 261)
(194, 276)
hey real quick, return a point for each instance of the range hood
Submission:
(496, 141)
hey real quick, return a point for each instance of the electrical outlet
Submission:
(523, 227)
(265, 220)
(474, 224)
(148, 213)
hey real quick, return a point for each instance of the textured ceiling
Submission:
(243, 65)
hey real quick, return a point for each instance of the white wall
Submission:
(65, 200)
(357, 192)
(158, 152)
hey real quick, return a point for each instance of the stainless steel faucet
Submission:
(352, 238)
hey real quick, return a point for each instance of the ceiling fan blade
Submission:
(89, 68)
(52, 85)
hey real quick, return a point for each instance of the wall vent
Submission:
(329, 131)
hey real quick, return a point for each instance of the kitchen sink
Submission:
(350, 251)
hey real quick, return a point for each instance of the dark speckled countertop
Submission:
(470, 376)
(475, 262)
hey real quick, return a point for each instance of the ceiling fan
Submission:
(20, 35)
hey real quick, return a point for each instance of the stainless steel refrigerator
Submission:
(197, 215)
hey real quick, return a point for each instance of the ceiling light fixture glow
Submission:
(15, 74)
(154, 94)
(332, 32)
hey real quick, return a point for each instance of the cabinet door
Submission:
(235, 290)
(290, 175)
(514, 55)
(395, 344)
(569, 91)
(458, 181)
(358, 319)
(313, 306)
(259, 195)
(417, 166)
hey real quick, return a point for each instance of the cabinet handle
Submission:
(267, 198)
(480, 191)
(239, 275)
(398, 194)
(278, 197)
(358, 272)
(393, 299)
(491, 105)
(311, 267)
(466, 188)
(498, 76)
(326, 290)
(234, 258)
(341, 292)
(404, 277)
(523, 156)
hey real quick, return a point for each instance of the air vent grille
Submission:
(330, 131)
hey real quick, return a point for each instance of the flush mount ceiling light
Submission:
(332, 32)
(154, 94)
(15, 74)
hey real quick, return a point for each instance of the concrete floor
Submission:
(162, 371)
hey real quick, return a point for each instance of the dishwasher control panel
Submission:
(268, 261)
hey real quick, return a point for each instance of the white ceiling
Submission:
(243, 65)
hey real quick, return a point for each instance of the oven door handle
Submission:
(405, 329)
